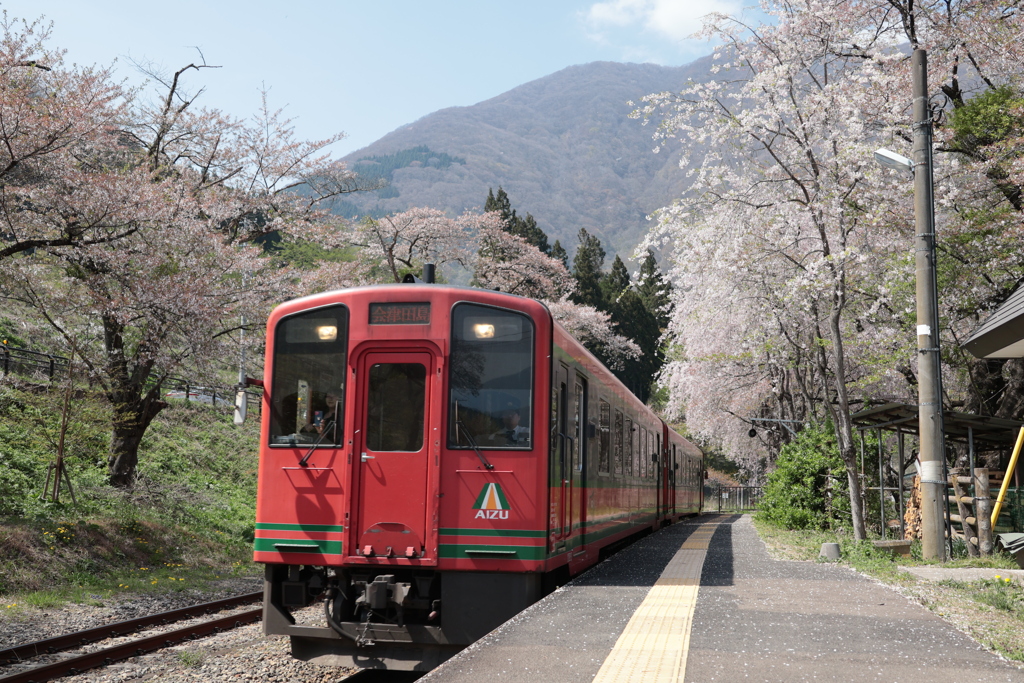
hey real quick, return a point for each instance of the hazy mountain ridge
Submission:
(562, 146)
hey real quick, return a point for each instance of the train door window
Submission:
(557, 393)
(647, 443)
(658, 458)
(647, 456)
(490, 378)
(642, 472)
(394, 414)
(634, 440)
(579, 433)
(605, 434)
(307, 390)
(617, 465)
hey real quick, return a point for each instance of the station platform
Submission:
(702, 601)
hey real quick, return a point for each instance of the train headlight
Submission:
(493, 328)
(327, 332)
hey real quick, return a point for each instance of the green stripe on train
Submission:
(266, 526)
(491, 552)
(296, 545)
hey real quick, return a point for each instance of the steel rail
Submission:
(135, 648)
(79, 638)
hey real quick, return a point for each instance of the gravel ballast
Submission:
(241, 654)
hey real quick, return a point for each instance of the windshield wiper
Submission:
(327, 428)
(472, 442)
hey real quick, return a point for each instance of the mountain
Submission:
(562, 147)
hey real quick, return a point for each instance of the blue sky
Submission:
(368, 67)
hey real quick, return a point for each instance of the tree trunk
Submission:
(856, 509)
(842, 420)
(129, 425)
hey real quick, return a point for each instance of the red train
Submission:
(434, 459)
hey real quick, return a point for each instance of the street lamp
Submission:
(896, 162)
(929, 385)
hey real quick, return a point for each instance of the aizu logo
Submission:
(491, 503)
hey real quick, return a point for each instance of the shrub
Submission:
(796, 495)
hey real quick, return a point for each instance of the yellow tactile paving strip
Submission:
(654, 644)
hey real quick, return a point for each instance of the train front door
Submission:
(391, 449)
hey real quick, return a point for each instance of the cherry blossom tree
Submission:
(791, 251)
(509, 263)
(185, 191)
(401, 243)
(50, 114)
(594, 329)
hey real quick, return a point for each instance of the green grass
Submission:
(999, 592)
(191, 658)
(188, 520)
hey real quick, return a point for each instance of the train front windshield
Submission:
(308, 384)
(491, 378)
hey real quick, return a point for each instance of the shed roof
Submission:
(994, 432)
(1002, 334)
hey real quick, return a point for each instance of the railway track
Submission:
(106, 656)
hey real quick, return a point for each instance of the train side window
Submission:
(490, 378)
(618, 442)
(605, 429)
(307, 387)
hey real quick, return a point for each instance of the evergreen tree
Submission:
(526, 228)
(634, 320)
(558, 252)
(586, 270)
(501, 204)
(615, 282)
(655, 290)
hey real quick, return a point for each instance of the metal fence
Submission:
(731, 498)
(32, 364)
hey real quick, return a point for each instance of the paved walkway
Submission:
(641, 617)
(964, 574)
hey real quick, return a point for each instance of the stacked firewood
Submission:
(912, 517)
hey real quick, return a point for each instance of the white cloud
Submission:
(617, 12)
(674, 20)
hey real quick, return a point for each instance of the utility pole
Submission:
(929, 358)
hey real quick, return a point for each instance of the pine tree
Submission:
(526, 228)
(654, 290)
(501, 204)
(558, 252)
(634, 320)
(615, 282)
(586, 269)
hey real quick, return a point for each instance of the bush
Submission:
(795, 495)
(30, 425)
(193, 504)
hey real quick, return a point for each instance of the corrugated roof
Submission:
(1002, 334)
(988, 431)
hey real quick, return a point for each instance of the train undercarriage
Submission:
(397, 618)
